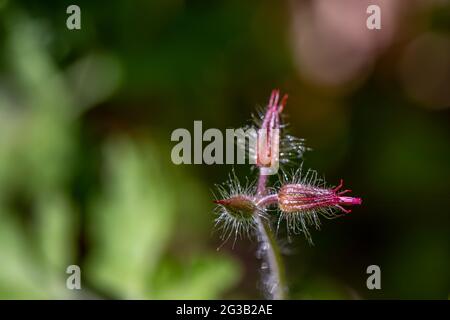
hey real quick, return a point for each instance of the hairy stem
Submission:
(267, 200)
(262, 181)
(275, 282)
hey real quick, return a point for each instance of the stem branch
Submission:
(267, 200)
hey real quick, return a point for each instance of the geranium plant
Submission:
(299, 198)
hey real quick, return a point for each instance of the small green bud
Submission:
(240, 207)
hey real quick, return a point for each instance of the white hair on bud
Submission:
(228, 223)
(298, 221)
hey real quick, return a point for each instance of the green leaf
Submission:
(131, 222)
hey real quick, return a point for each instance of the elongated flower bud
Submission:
(299, 197)
(268, 139)
(269, 144)
(300, 204)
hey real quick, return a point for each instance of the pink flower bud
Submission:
(302, 201)
(304, 198)
(268, 139)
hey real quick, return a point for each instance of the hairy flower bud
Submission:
(236, 209)
(239, 206)
(299, 197)
(268, 143)
(268, 139)
(301, 201)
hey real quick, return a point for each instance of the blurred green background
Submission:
(86, 117)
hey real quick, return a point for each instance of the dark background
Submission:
(86, 117)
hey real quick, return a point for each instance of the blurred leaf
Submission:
(56, 230)
(130, 223)
(93, 79)
(130, 228)
(201, 278)
(19, 270)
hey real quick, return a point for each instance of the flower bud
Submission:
(239, 206)
(300, 204)
(303, 198)
(237, 210)
(268, 138)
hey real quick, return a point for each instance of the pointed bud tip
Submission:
(350, 200)
(238, 206)
(283, 103)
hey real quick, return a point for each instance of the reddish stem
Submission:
(267, 200)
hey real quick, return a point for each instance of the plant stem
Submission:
(262, 181)
(267, 200)
(275, 282)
